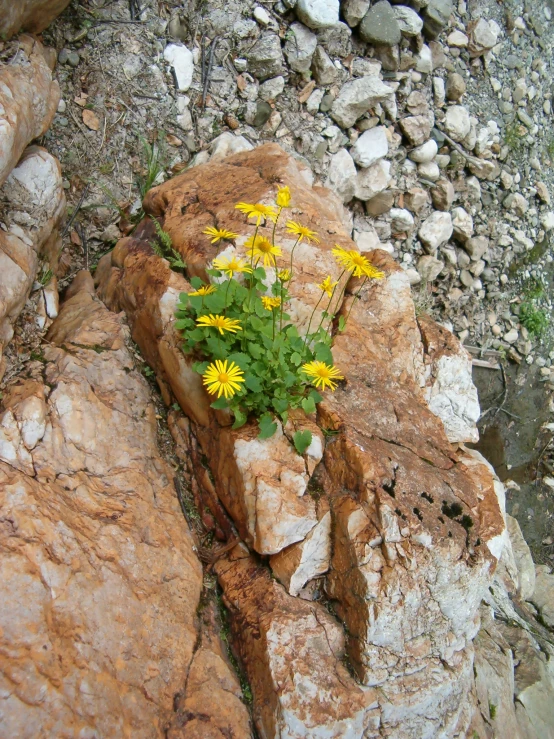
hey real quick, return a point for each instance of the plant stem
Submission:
(354, 300)
(252, 265)
(340, 298)
(291, 255)
(328, 309)
(275, 225)
(310, 323)
(273, 320)
(226, 295)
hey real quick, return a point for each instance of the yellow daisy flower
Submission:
(270, 303)
(322, 375)
(302, 232)
(230, 266)
(220, 323)
(219, 234)
(356, 263)
(258, 211)
(223, 378)
(204, 290)
(262, 248)
(283, 197)
(284, 275)
(327, 286)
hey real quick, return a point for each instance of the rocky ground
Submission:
(450, 170)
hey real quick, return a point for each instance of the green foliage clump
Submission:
(163, 247)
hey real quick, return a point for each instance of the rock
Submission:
(457, 122)
(32, 15)
(547, 221)
(435, 17)
(367, 240)
(416, 129)
(429, 268)
(227, 144)
(408, 20)
(323, 69)
(300, 47)
(455, 87)
(336, 39)
(314, 101)
(371, 146)
(114, 586)
(483, 35)
(457, 39)
(523, 559)
(424, 61)
(379, 26)
(435, 231)
(372, 180)
(416, 199)
(261, 16)
(443, 194)
(180, 58)
(484, 169)
(463, 224)
(543, 594)
(291, 651)
(425, 152)
(439, 93)
(516, 203)
(318, 13)
(271, 89)
(477, 247)
(263, 111)
(265, 58)
(354, 10)
(357, 97)
(28, 101)
(401, 220)
(341, 175)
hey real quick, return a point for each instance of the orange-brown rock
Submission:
(99, 580)
(28, 15)
(28, 100)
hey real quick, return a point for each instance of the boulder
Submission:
(100, 583)
(28, 15)
(28, 100)
(354, 11)
(372, 180)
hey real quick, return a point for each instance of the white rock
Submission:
(483, 37)
(429, 171)
(413, 275)
(511, 336)
(367, 240)
(429, 268)
(543, 596)
(314, 101)
(523, 559)
(439, 91)
(226, 144)
(341, 175)
(409, 21)
(261, 15)
(463, 224)
(181, 59)
(299, 47)
(371, 146)
(318, 13)
(457, 39)
(358, 96)
(457, 122)
(424, 153)
(435, 230)
(424, 61)
(401, 220)
(372, 180)
(547, 221)
(354, 10)
(272, 88)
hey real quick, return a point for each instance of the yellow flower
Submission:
(270, 303)
(354, 262)
(327, 286)
(322, 375)
(284, 275)
(283, 197)
(230, 266)
(204, 290)
(223, 378)
(262, 248)
(219, 234)
(258, 211)
(302, 232)
(220, 323)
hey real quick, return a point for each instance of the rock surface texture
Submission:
(416, 527)
(28, 15)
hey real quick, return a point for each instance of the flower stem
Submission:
(291, 255)
(252, 265)
(354, 300)
(275, 225)
(310, 323)
(328, 309)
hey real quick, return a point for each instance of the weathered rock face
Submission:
(100, 583)
(28, 15)
(28, 100)
(408, 529)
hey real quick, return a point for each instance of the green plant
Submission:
(163, 247)
(492, 711)
(534, 319)
(514, 135)
(45, 276)
(154, 163)
(249, 353)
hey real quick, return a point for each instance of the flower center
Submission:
(323, 372)
(264, 246)
(223, 378)
(358, 260)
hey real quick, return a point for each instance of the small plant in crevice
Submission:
(249, 353)
(532, 313)
(45, 276)
(163, 247)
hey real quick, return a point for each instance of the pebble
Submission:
(371, 146)
(425, 152)
(261, 16)
(457, 122)
(181, 59)
(318, 13)
(380, 26)
(435, 230)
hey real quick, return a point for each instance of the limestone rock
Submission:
(323, 69)
(462, 223)
(543, 594)
(483, 35)
(435, 230)
(477, 247)
(442, 194)
(180, 58)
(100, 583)
(300, 47)
(371, 146)
(523, 559)
(401, 220)
(354, 11)
(28, 15)
(425, 152)
(380, 26)
(457, 123)
(416, 128)
(455, 87)
(429, 268)
(265, 58)
(436, 15)
(357, 97)
(318, 13)
(372, 180)
(28, 101)
(408, 20)
(341, 175)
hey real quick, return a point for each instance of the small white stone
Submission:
(424, 153)
(180, 58)
(429, 171)
(435, 230)
(457, 39)
(512, 336)
(457, 122)
(370, 147)
(318, 13)
(261, 16)
(547, 221)
(401, 220)
(341, 175)
(424, 62)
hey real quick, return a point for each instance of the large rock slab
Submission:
(28, 15)
(28, 100)
(99, 580)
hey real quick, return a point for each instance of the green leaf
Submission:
(215, 302)
(216, 348)
(292, 332)
(256, 324)
(295, 358)
(200, 367)
(252, 383)
(259, 273)
(259, 308)
(240, 418)
(220, 404)
(302, 440)
(242, 360)
(342, 323)
(267, 426)
(196, 282)
(317, 398)
(308, 405)
(280, 404)
(323, 353)
(197, 334)
(183, 323)
(255, 350)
